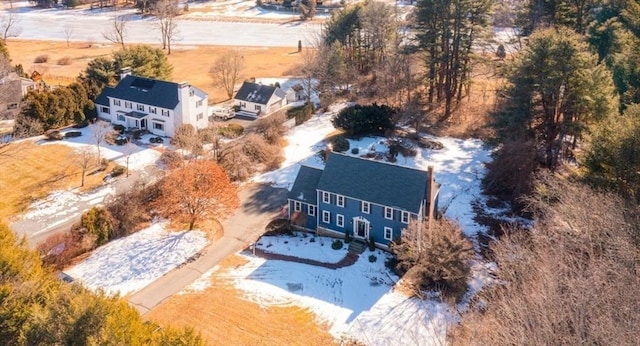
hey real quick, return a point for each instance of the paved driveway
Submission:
(258, 205)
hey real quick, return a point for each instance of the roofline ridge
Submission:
(376, 161)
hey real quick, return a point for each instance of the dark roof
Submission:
(304, 188)
(257, 93)
(146, 91)
(376, 182)
(103, 98)
(136, 114)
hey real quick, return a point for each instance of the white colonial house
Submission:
(259, 99)
(154, 105)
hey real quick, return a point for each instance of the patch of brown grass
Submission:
(190, 63)
(225, 318)
(30, 171)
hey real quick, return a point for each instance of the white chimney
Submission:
(125, 71)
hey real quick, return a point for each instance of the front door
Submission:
(143, 124)
(361, 228)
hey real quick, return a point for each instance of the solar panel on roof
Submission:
(143, 83)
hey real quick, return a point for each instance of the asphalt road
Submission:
(258, 205)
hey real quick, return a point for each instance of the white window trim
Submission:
(366, 210)
(388, 210)
(390, 232)
(339, 220)
(311, 210)
(340, 200)
(297, 206)
(326, 216)
(405, 217)
(326, 197)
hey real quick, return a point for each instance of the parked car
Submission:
(122, 140)
(156, 140)
(222, 113)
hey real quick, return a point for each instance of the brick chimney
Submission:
(431, 193)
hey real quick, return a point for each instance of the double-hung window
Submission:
(388, 213)
(388, 233)
(365, 207)
(326, 197)
(326, 216)
(405, 217)
(140, 107)
(340, 201)
(297, 206)
(311, 210)
(339, 220)
(128, 105)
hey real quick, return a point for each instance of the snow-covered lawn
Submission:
(129, 264)
(459, 166)
(302, 245)
(356, 301)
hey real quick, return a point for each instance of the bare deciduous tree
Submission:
(68, 32)
(117, 32)
(166, 11)
(84, 159)
(9, 26)
(99, 131)
(226, 71)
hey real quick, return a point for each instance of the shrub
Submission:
(364, 120)
(372, 244)
(71, 3)
(231, 131)
(40, 59)
(340, 144)
(347, 237)
(119, 128)
(337, 244)
(271, 128)
(72, 134)
(130, 209)
(98, 222)
(137, 134)
(53, 135)
(118, 170)
(172, 159)
(372, 258)
(301, 113)
(208, 135)
(438, 261)
(355, 151)
(65, 61)
(278, 227)
(59, 249)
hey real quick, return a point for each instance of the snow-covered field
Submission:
(129, 264)
(88, 25)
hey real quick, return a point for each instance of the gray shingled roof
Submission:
(257, 93)
(146, 91)
(103, 98)
(376, 182)
(304, 188)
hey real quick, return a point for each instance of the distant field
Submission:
(190, 63)
(29, 172)
(223, 317)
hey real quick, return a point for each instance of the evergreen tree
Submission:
(557, 89)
